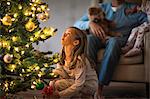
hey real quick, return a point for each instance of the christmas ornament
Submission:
(49, 31)
(8, 58)
(7, 20)
(43, 17)
(48, 90)
(39, 85)
(30, 26)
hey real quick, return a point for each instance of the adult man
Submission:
(117, 11)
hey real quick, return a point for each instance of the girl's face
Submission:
(68, 36)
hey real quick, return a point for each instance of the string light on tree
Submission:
(12, 67)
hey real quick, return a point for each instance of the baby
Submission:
(134, 44)
(77, 75)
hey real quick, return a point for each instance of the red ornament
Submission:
(48, 90)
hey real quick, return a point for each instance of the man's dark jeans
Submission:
(110, 58)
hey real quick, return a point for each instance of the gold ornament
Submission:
(30, 26)
(43, 16)
(49, 31)
(7, 58)
(7, 20)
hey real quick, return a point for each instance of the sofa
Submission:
(134, 69)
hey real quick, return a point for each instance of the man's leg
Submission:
(110, 60)
(94, 44)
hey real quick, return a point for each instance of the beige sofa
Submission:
(134, 69)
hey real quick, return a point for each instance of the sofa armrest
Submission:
(147, 56)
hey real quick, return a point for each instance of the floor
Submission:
(113, 91)
(125, 91)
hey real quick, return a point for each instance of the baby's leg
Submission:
(137, 49)
(131, 40)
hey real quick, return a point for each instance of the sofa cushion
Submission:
(123, 60)
(133, 73)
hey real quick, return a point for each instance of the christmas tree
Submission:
(21, 66)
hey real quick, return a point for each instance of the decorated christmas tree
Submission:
(21, 66)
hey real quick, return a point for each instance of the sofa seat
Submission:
(129, 68)
(124, 60)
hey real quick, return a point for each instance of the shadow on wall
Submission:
(63, 13)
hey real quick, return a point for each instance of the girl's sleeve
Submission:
(79, 82)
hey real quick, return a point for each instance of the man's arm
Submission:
(83, 23)
(142, 18)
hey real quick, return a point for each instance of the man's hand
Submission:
(97, 30)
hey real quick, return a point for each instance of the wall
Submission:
(63, 13)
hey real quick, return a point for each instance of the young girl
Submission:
(135, 42)
(77, 75)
